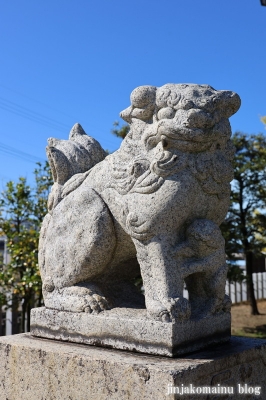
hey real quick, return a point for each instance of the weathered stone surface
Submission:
(32, 368)
(152, 208)
(131, 329)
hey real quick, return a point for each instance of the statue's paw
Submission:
(174, 309)
(179, 308)
(217, 305)
(162, 316)
(158, 312)
(75, 299)
(95, 304)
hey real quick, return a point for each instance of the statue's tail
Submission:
(69, 157)
(76, 155)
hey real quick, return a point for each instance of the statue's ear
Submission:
(126, 114)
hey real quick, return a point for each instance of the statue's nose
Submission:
(126, 114)
(230, 102)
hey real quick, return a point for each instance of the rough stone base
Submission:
(131, 329)
(33, 368)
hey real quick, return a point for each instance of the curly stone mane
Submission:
(170, 132)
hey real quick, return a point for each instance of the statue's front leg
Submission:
(163, 282)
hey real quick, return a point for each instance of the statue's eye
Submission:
(166, 113)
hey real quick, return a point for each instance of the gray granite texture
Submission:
(152, 208)
(32, 368)
(131, 329)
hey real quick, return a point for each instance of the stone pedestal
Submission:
(131, 329)
(32, 368)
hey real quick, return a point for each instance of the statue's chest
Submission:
(143, 212)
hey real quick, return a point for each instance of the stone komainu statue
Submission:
(153, 208)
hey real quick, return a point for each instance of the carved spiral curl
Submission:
(190, 123)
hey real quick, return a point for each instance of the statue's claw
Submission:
(158, 312)
(180, 308)
(165, 316)
(96, 304)
(76, 299)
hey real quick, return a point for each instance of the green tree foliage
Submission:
(245, 226)
(22, 211)
(235, 273)
(120, 131)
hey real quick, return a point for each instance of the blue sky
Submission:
(67, 61)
